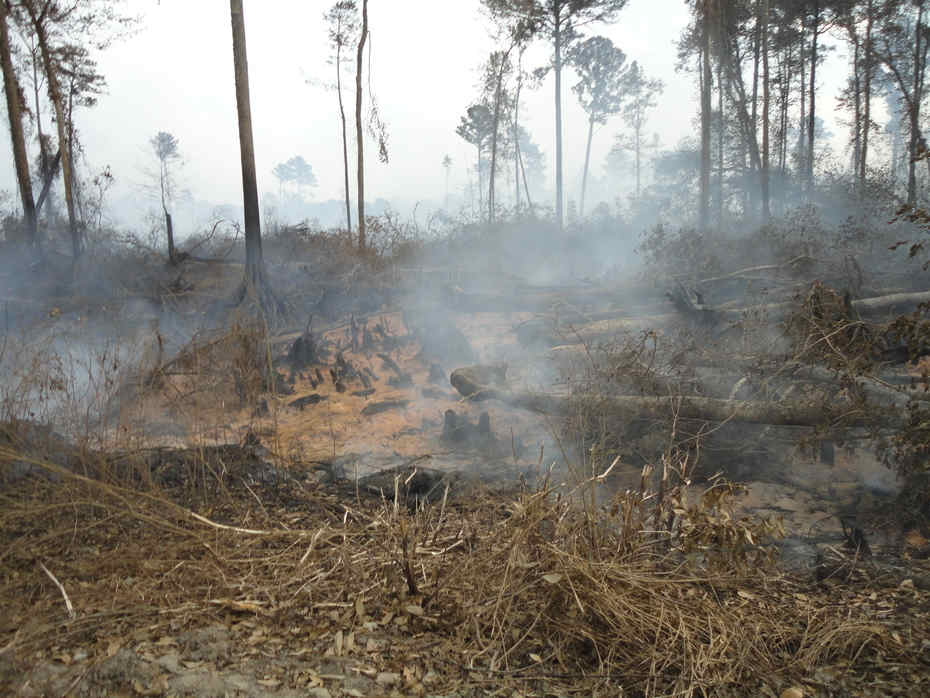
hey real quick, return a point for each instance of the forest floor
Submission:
(227, 534)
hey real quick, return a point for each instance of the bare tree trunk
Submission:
(766, 204)
(557, 35)
(638, 137)
(169, 227)
(754, 117)
(54, 91)
(516, 135)
(40, 133)
(526, 187)
(812, 89)
(345, 142)
(706, 77)
(866, 96)
(587, 160)
(359, 136)
(857, 105)
(802, 124)
(14, 111)
(254, 262)
(497, 118)
(720, 138)
(914, 108)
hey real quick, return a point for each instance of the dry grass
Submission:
(653, 594)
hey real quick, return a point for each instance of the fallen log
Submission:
(811, 414)
(722, 376)
(554, 330)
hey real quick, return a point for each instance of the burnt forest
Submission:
(479, 348)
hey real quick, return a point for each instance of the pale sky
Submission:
(175, 74)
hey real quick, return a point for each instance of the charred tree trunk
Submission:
(359, 135)
(169, 227)
(255, 283)
(169, 231)
(48, 177)
(464, 380)
(15, 113)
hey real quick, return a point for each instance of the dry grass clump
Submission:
(656, 593)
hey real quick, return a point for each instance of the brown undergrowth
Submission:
(653, 594)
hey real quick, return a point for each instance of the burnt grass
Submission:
(140, 562)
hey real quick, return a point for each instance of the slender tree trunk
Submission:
(753, 140)
(345, 141)
(587, 160)
(914, 108)
(359, 136)
(867, 95)
(169, 227)
(526, 187)
(516, 134)
(706, 77)
(55, 96)
(40, 133)
(856, 87)
(638, 145)
(254, 262)
(766, 204)
(480, 185)
(720, 138)
(812, 89)
(557, 36)
(14, 111)
(785, 95)
(497, 118)
(802, 124)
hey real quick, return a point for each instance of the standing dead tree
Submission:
(165, 147)
(359, 131)
(343, 25)
(254, 284)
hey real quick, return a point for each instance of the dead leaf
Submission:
(414, 610)
(553, 577)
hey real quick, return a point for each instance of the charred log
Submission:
(799, 413)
